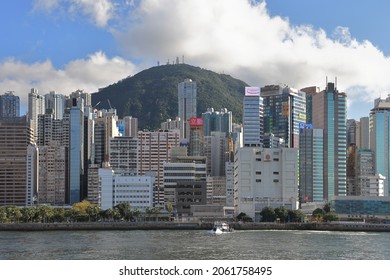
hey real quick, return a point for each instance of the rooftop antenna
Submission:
(335, 82)
(182, 60)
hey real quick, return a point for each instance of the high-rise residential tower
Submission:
(15, 136)
(36, 106)
(153, 150)
(130, 125)
(9, 105)
(55, 104)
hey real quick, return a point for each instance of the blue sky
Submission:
(65, 45)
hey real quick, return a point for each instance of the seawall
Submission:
(193, 226)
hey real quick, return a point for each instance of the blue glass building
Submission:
(217, 121)
(329, 112)
(253, 118)
(76, 150)
(380, 138)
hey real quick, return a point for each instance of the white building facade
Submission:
(265, 178)
(137, 191)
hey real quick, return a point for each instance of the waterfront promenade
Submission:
(369, 227)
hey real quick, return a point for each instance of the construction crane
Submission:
(109, 103)
(96, 104)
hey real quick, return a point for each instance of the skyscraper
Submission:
(76, 150)
(130, 126)
(15, 136)
(364, 133)
(196, 137)
(9, 105)
(217, 121)
(216, 149)
(36, 106)
(284, 110)
(187, 103)
(379, 138)
(153, 150)
(311, 164)
(253, 122)
(55, 104)
(53, 174)
(310, 91)
(104, 129)
(352, 132)
(330, 107)
(123, 154)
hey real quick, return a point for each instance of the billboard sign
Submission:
(252, 91)
(196, 122)
(305, 126)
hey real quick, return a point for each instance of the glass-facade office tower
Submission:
(379, 138)
(311, 164)
(76, 150)
(9, 105)
(253, 125)
(187, 103)
(284, 110)
(352, 133)
(329, 109)
(196, 137)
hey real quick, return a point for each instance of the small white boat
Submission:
(219, 228)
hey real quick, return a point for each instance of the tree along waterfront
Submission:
(83, 211)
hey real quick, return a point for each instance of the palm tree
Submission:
(169, 208)
(124, 210)
(92, 211)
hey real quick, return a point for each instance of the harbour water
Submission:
(194, 245)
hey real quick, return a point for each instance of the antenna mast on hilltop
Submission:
(182, 59)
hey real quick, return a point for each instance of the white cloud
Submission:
(242, 39)
(89, 74)
(100, 12)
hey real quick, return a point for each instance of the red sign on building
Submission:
(196, 122)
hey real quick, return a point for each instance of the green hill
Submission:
(151, 95)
